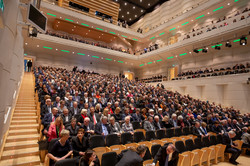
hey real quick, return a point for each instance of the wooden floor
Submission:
(21, 146)
(243, 160)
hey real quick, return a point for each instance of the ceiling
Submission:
(132, 10)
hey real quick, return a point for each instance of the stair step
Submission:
(23, 132)
(18, 138)
(25, 118)
(8, 154)
(25, 126)
(25, 108)
(21, 144)
(22, 161)
(16, 122)
(25, 111)
(24, 114)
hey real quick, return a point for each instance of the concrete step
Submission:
(9, 154)
(23, 132)
(22, 161)
(18, 138)
(21, 145)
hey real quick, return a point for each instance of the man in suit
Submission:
(46, 108)
(50, 117)
(75, 111)
(149, 125)
(231, 147)
(167, 155)
(66, 117)
(57, 102)
(102, 128)
(88, 127)
(137, 117)
(197, 131)
(94, 117)
(173, 121)
(70, 102)
(132, 157)
(216, 128)
(157, 123)
(76, 97)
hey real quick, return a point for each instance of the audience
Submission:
(73, 128)
(79, 143)
(55, 129)
(127, 126)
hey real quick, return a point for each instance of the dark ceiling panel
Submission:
(132, 10)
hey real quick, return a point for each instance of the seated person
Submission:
(180, 121)
(231, 146)
(127, 127)
(89, 159)
(203, 128)
(50, 117)
(149, 125)
(61, 149)
(66, 117)
(102, 128)
(197, 131)
(165, 122)
(216, 128)
(79, 143)
(157, 123)
(133, 157)
(73, 128)
(167, 155)
(114, 127)
(55, 129)
(94, 117)
(82, 116)
(88, 127)
(117, 115)
(246, 139)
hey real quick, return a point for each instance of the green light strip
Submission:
(25, 54)
(150, 62)
(51, 14)
(69, 20)
(237, 40)
(47, 48)
(200, 16)
(218, 9)
(142, 65)
(95, 56)
(152, 37)
(108, 59)
(162, 33)
(80, 54)
(124, 36)
(217, 45)
(99, 29)
(170, 57)
(112, 32)
(64, 50)
(159, 60)
(85, 25)
(135, 39)
(185, 23)
(172, 29)
(120, 61)
(200, 50)
(183, 54)
(236, 0)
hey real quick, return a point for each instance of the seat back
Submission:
(139, 136)
(136, 125)
(146, 143)
(112, 139)
(147, 155)
(96, 141)
(99, 152)
(177, 132)
(185, 130)
(213, 140)
(66, 162)
(219, 139)
(154, 142)
(160, 134)
(126, 138)
(109, 159)
(154, 149)
(131, 145)
(184, 159)
(198, 143)
(180, 146)
(117, 148)
(190, 144)
(150, 135)
(169, 133)
(206, 142)
(148, 162)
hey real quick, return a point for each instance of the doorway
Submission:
(26, 60)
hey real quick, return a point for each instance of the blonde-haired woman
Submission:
(166, 123)
(106, 113)
(61, 149)
(55, 128)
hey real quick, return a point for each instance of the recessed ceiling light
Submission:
(73, 52)
(92, 26)
(122, 16)
(176, 56)
(190, 52)
(207, 48)
(120, 9)
(127, 12)
(135, 15)
(26, 43)
(140, 0)
(86, 33)
(133, 7)
(102, 57)
(37, 45)
(74, 26)
(125, 3)
(192, 20)
(58, 22)
(208, 13)
(88, 55)
(60, 17)
(228, 4)
(56, 49)
(77, 22)
(114, 60)
(116, 0)
(130, 19)
(72, 29)
(141, 10)
(149, 4)
(102, 33)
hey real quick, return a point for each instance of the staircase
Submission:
(21, 148)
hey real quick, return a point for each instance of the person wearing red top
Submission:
(82, 117)
(109, 108)
(55, 128)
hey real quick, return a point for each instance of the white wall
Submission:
(11, 61)
(229, 90)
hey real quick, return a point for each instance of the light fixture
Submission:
(122, 16)
(217, 47)
(125, 3)
(141, 11)
(149, 4)
(135, 15)
(228, 44)
(73, 52)
(228, 4)
(26, 43)
(204, 50)
(192, 20)
(190, 52)
(243, 41)
(60, 17)
(127, 12)
(208, 13)
(56, 49)
(120, 9)
(133, 7)
(37, 45)
(130, 19)
(196, 51)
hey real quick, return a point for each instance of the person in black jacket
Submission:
(102, 128)
(231, 146)
(73, 128)
(79, 143)
(217, 128)
(197, 131)
(168, 151)
(132, 157)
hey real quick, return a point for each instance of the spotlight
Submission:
(228, 44)
(204, 50)
(196, 51)
(243, 41)
(217, 47)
